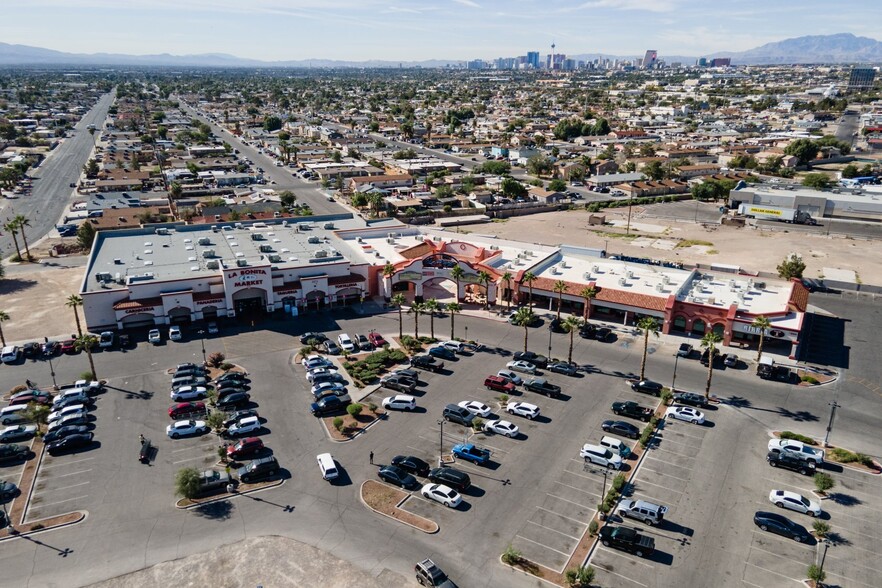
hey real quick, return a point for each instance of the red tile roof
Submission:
(128, 304)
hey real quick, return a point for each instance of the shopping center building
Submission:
(190, 273)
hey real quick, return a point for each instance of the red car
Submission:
(69, 346)
(499, 384)
(376, 339)
(244, 448)
(36, 398)
(186, 408)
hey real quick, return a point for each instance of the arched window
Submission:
(679, 324)
(718, 330)
(698, 327)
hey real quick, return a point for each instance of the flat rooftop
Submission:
(191, 251)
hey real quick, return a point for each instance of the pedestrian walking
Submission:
(372, 457)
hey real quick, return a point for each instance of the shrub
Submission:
(798, 437)
(37, 527)
(511, 556)
(478, 424)
(503, 398)
(354, 409)
(618, 482)
(579, 577)
(216, 359)
(810, 379)
(222, 453)
(592, 527)
(338, 423)
(226, 366)
(821, 528)
(604, 507)
(187, 482)
(666, 396)
(823, 482)
(215, 420)
(17, 389)
(372, 406)
(87, 376)
(846, 456)
(816, 574)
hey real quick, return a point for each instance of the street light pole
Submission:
(674, 379)
(202, 341)
(8, 520)
(833, 406)
(466, 333)
(52, 372)
(549, 342)
(824, 556)
(441, 444)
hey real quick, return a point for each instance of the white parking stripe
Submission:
(577, 521)
(829, 573)
(58, 502)
(657, 486)
(189, 459)
(600, 567)
(623, 556)
(852, 563)
(774, 572)
(71, 474)
(765, 534)
(743, 581)
(663, 474)
(63, 463)
(53, 489)
(581, 475)
(667, 463)
(676, 431)
(578, 489)
(543, 545)
(565, 500)
(553, 530)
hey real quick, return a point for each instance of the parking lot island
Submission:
(387, 501)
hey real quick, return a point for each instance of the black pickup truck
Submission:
(632, 410)
(542, 386)
(627, 539)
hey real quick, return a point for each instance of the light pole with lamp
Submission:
(549, 341)
(9, 526)
(674, 379)
(441, 444)
(833, 406)
(52, 373)
(466, 333)
(588, 468)
(202, 341)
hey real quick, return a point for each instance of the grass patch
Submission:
(617, 235)
(846, 456)
(797, 437)
(712, 252)
(692, 243)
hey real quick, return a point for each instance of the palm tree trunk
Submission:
(710, 375)
(416, 326)
(452, 314)
(25, 240)
(559, 304)
(585, 310)
(525, 338)
(759, 351)
(570, 354)
(2, 338)
(531, 295)
(645, 351)
(15, 240)
(400, 324)
(77, 317)
(457, 291)
(432, 324)
(91, 363)
(508, 286)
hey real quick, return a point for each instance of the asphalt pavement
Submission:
(50, 193)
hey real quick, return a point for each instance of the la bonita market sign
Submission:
(246, 278)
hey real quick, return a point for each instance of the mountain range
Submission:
(838, 48)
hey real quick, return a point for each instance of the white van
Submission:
(455, 346)
(327, 466)
(617, 446)
(12, 415)
(10, 354)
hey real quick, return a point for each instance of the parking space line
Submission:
(580, 475)
(658, 486)
(664, 474)
(543, 545)
(622, 555)
(65, 463)
(72, 474)
(774, 572)
(62, 488)
(662, 449)
(59, 501)
(743, 581)
(565, 500)
(577, 489)
(850, 563)
(849, 579)
(577, 521)
(600, 567)
(495, 449)
(648, 457)
(782, 539)
(188, 459)
(663, 439)
(676, 431)
(553, 530)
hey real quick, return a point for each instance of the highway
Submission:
(51, 191)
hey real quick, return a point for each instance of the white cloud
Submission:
(468, 3)
(641, 5)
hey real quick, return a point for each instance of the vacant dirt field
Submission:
(34, 300)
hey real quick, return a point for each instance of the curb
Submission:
(354, 437)
(83, 514)
(226, 496)
(526, 573)
(368, 506)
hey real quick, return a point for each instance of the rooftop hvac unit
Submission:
(436, 238)
(162, 231)
(314, 240)
(242, 262)
(390, 240)
(595, 268)
(208, 253)
(621, 281)
(284, 223)
(376, 254)
(204, 241)
(629, 274)
(666, 280)
(711, 300)
(359, 240)
(528, 253)
(117, 261)
(214, 229)
(238, 225)
(732, 284)
(274, 258)
(213, 264)
(328, 225)
(555, 271)
(586, 276)
(320, 253)
(494, 248)
(659, 287)
(761, 285)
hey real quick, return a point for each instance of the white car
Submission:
(74, 395)
(106, 340)
(685, 413)
(443, 494)
(524, 409)
(10, 354)
(807, 452)
(154, 336)
(501, 428)
(320, 371)
(476, 408)
(601, 456)
(315, 361)
(174, 333)
(66, 411)
(245, 426)
(399, 402)
(794, 501)
(346, 343)
(325, 386)
(511, 377)
(524, 367)
(212, 328)
(179, 428)
(188, 393)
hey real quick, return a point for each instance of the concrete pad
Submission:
(271, 561)
(839, 275)
(642, 227)
(664, 244)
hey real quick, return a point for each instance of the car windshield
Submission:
(805, 502)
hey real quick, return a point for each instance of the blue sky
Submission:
(425, 29)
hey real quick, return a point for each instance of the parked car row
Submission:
(190, 386)
(328, 386)
(344, 343)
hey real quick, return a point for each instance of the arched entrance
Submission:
(441, 289)
(315, 299)
(699, 327)
(679, 324)
(179, 315)
(249, 300)
(134, 321)
(209, 313)
(348, 296)
(719, 329)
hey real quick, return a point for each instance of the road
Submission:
(846, 128)
(51, 181)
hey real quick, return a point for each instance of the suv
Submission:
(499, 384)
(258, 468)
(427, 362)
(454, 478)
(458, 414)
(791, 461)
(649, 513)
(429, 574)
(540, 361)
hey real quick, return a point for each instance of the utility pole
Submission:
(674, 379)
(833, 406)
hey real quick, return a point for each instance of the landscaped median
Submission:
(357, 419)
(241, 488)
(388, 501)
(857, 461)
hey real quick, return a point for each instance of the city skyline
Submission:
(359, 30)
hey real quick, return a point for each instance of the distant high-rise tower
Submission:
(533, 59)
(861, 78)
(551, 57)
(650, 58)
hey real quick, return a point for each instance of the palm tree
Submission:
(572, 324)
(21, 221)
(388, 271)
(484, 278)
(399, 300)
(73, 301)
(4, 316)
(12, 228)
(648, 324)
(452, 308)
(457, 273)
(560, 287)
(507, 278)
(524, 317)
(529, 278)
(761, 323)
(86, 343)
(431, 306)
(710, 341)
(588, 293)
(416, 308)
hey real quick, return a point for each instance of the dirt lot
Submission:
(658, 238)
(34, 300)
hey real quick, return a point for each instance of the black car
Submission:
(781, 525)
(647, 387)
(427, 362)
(791, 461)
(189, 371)
(233, 400)
(259, 468)
(12, 453)
(452, 477)
(230, 388)
(556, 325)
(411, 464)
(540, 361)
(327, 405)
(443, 353)
(587, 331)
(621, 428)
(51, 348)
(396, 475)
(74, 441)
(230, 377)
(706, 353)
(690, 398)
(8, 491)
(316, 337)
(31, 350)
(602, 334)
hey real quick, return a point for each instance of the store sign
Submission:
(139, 310)
(247, 277)
(777, 333)
(210, 301)
(409, 276)
(471, 278)
(344, 286)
